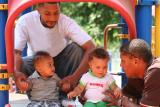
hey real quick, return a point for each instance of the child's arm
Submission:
(77, 91)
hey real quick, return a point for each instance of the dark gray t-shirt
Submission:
(44, 89)
(151, 92)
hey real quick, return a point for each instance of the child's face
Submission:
(98, 66)
(45, 67)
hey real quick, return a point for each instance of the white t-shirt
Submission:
(95, 86)
(53, 40)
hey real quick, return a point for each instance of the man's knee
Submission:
(77, 51)
(27, 65)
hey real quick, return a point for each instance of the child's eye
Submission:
(50, 65)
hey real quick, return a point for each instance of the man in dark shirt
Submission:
(139, 63)
(134, 86)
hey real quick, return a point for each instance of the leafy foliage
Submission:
(93, 17)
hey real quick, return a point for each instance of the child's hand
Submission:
(71, 94)
(118, 92)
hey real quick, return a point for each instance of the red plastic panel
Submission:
(124, 7)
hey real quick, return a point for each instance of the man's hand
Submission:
(71, 80)
(65, 87)
(111, 98)
(118, 92)
(21, 80)
(114, 101)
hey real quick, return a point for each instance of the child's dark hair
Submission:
(98, 53)
(39, 55)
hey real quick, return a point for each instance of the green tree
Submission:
(93, 17)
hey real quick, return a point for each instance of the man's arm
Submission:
(18, 60)
(83, 67)
(19, 76)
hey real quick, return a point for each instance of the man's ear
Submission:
(136, 61)
(38, 9)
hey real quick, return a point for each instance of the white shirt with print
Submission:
(53, 40)
(95, 86)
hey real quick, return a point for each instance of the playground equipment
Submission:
(130, 10)
(125, 8)
(157, 30)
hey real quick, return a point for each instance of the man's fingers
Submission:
(107, 99)
(109, 94)
(111, 98)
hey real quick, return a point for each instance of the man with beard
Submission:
(46, 29)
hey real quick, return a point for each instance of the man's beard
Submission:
(46, 26)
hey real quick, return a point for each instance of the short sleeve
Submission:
(73, 31)
(20, 35)
(111, 80)
(83, 80)
(151, 92)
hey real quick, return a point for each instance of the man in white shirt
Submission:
(46, 29)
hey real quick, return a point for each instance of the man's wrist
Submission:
(119, 103)
(126, 102)
(75, 77)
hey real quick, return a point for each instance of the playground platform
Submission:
(21, 100)
(18, 100)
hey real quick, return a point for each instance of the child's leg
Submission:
(35, 104)
(53, 104)
(89, 104)
(101, 104)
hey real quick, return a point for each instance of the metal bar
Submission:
(107, 28)
(4, 95)
(157, 30)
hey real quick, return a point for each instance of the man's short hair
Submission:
(140, 49)
(42, 4)
(124, 48)
(98, 53)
